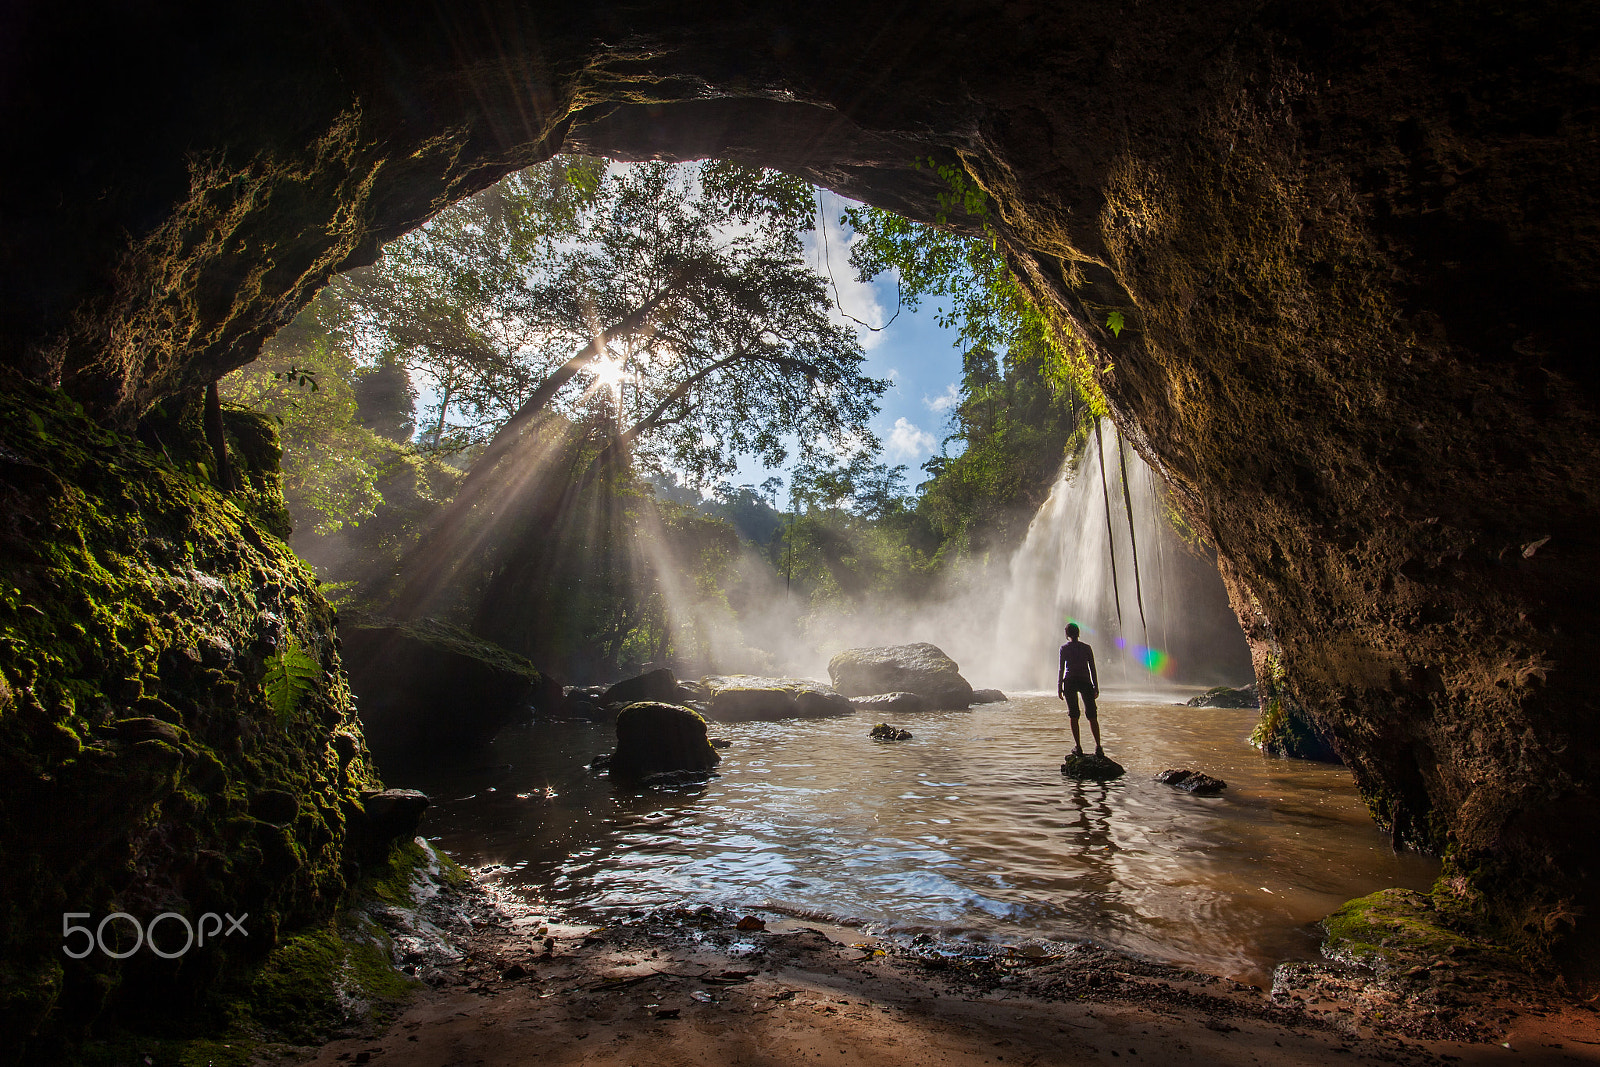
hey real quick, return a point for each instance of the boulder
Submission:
(382, 819)
(884, 732)
(747, 698)
(922, 669)
(1192, 782)
(1096, 767)
(658, 685)
(1224, 697)
(988, 696)
(425, 684)
(658, 738)
(901, 702)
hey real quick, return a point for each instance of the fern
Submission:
(290, 675)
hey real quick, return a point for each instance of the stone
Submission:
(382, 819)
(749, 698)
(989, 696)
(1094, 767)
(659, 685)
(425, 685)
(1223, 697)
(920, 668)
(1192, 782)
(898, 702)
(658, 738)
(884, 732)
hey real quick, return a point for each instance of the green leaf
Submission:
(290, 675)
(1115, 322)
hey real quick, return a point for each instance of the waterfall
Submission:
(1064, 572)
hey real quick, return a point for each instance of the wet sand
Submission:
(692, 988)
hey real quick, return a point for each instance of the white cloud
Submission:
(908, 442)
(944, 401)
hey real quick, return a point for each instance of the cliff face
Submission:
(1356, 251)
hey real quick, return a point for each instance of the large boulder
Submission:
(424, 685)
(658, 738)
(748, 698)
(922, 669)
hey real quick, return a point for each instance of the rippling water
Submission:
(969, 830)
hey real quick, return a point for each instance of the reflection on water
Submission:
(969, 830)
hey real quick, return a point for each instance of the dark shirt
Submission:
(1077, 661)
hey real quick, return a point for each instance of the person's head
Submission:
(1072, 631)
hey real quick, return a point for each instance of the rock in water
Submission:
(1223, 697)
(747, 698)
(657, 738)
(1098, 768)
(1192, 782)
(989, 696)
(658, 685)
(922, 669)
(884, 732)
(902, 702)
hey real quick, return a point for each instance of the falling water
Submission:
(1064, 572)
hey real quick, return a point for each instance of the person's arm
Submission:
(1061, 675)
(1094, 675)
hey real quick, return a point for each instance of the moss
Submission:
(1394, 930)
(1284, 728)
(139, 608)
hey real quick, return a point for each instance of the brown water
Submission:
(967, 831)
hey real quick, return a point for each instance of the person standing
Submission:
(1078, 677)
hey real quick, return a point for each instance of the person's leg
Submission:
(1072, 712)
(1092, 713)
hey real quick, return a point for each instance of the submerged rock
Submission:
(884, 732)
(989, 696)
(903, 702)
(1096, 767)
(1192, 782)
(1224, 697)
(748, 698)
(920, 668)
(656, 738)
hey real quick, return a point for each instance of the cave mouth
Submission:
(1352, 260)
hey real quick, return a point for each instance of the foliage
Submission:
(291, 674)
(717, 337)
(987, 305)
(307, 379)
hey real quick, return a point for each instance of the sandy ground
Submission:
(692, 988)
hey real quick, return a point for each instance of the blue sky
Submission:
(916, 355)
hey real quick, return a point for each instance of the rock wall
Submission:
(1355, 249)
(150, 759)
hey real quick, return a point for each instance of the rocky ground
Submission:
(709, 986)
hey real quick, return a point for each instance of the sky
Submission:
(917, 356)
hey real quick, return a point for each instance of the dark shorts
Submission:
(1074, 686)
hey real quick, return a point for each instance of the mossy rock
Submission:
(655, 738)
(170, 674)
(1395, 930)
(750, 698)
(423, 685)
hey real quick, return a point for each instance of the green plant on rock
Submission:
(291, 674)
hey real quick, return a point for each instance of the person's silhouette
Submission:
(1079, 677)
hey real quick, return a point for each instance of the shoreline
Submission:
(691, 986)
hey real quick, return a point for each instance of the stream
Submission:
(967, 831)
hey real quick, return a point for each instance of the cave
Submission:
(1355, 249)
